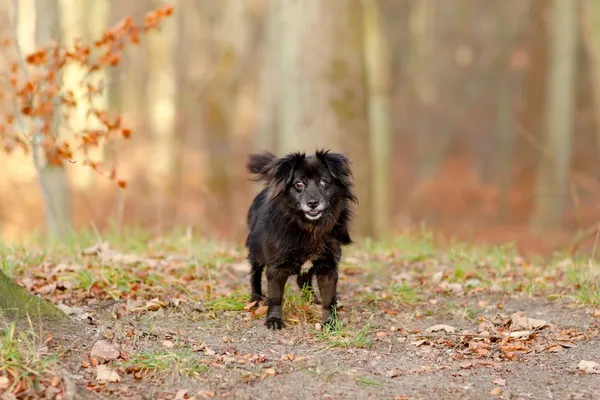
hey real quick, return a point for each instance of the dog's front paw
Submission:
(274, 323)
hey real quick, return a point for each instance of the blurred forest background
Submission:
(477, 118)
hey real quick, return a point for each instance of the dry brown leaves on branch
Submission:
(41, 98)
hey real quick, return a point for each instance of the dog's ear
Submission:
(280, 173)
(277, 173)
(258, 163)
(338, 166)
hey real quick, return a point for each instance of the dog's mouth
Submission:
(313, 215)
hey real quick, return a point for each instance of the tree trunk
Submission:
(591, 39)
(218, 111)
(321, 87)
(52, 179)
(423, 92)
(378, 73)
(16, 302)
(552, 181)
(265, 137)
(160, 102)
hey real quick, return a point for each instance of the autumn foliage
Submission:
(41, 100)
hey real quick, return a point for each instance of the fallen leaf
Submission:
(520, 334)
(105, 350)
(260, 311)
(589, 367)
(270, 371)
(152, 305)
(104, 373)
(393, 373)
(521, 322)
(181, 394)
(554, 348)
(4, 382)
(169, 344)
(381, 334)
(55, 381)
(248, 306)
(207, 394)
(499, 382)
(465, 364)
(441, 327)
(496, 392)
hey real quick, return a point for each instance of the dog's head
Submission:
(311, 186)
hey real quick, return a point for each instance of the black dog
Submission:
(301, 215)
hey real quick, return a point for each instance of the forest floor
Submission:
(168, 319)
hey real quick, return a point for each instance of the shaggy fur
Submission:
(301, 215)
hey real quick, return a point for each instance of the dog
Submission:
(302, 214)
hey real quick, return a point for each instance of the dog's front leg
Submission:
(276, 279)
(327, 277)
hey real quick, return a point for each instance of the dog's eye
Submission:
(323, 183)
(299, 185)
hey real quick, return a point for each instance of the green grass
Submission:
(364, 381)
(335, 335)
(231, 302)
(21, 358)
(181, 363)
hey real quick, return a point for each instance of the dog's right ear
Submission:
(277, 173)
(257, 163)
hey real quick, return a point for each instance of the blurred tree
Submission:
(160, 100)
(423, 92)
(377, 63)
(219, 106)
(265, 137)
(553, 169)
(53, 179)
(591, 39)
(321, 91)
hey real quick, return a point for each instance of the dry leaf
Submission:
(589, 367)
(4, 382)
(496, 391)
(104, 373)
(554, 348)
(270, 371)
(520, 334)
(181, 394)
(521, 322)
(104, 350)
(499, 382)
(152, 305)
(55, 381)
(248, 306)
(441, 327)
(260, 311)
(169, 344)
(207, 394)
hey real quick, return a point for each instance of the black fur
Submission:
(301, 215)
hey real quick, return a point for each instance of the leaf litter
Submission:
(148, 286)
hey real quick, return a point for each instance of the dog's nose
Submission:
(312, 204)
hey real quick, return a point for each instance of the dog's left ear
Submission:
(280, 173)
(338, 166)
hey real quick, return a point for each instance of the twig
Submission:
(591, 231)
(475, 335)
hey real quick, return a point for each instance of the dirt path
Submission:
(412, 328)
